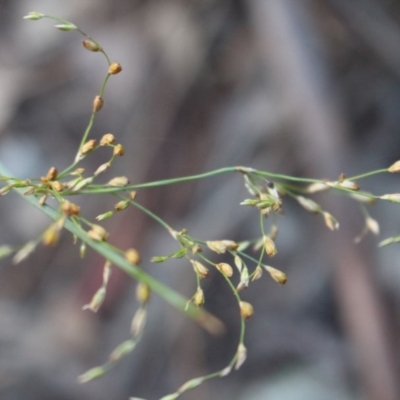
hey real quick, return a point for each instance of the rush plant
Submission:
(267, 194)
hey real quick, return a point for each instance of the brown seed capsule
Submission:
(133, 256)
(115, 68)
(91, 45)
(88, 146)
(119, 150)
(97, 104)
(246, 309)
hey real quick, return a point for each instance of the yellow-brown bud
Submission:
(121, 205)
(108, 138)
(97, 104)
(52, 174)
(225, 268)
(308, 204)
(198, 298)
(115, 68)
(88, 146)
(119, 150)
(221, 246)
(69, 208)
(257, 274)
(269, 246)
(119, 181)
(143, 293)
(91, 45)
(51, 235)
(395, 167)
(133, 256)
(246, 309)
(98, 233)
(57, 186)
(277, 275)
(132, 194)
(200, 269)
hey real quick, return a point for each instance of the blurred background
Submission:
(308, 88)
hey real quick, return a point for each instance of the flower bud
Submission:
(51, 235)
(102, 168)
(277, 275)
(395, 167)
(52, 174)
(138, 321)
(221, 246)
(121, 205)
(97, 300)
(372, 225)
(97, 104)
(330, 221)
(133, 256)
(257, 273)
(198, 298)
(246, 309)
(317, 187)
(115, 68)
(308, 204)
(34, 16)
(119, 181)
(88, 146)
(122, 350)
(225, 269)
(91, 45)
(241, 355)
(24, 252)
(98, 233)
(119, 150)
(269, 246)
(393, 197)
(143, 292)
(69, 208)
(57, 186)
(200, 269)
(93, 373)
(66, 27)
(108, 138)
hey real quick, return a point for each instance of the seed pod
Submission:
(119, 150)
(119, 181)
(97, 104)
(246, 309)
(200, 269)
(108, 138)
(277, 275)
(133, 256)
(395, 167)
(88, 146)
(91, 45)
(143, 292)
(52, 174)
(69, 208)
(225, 268)
(97, 300)
(98, 233)
(115, 68)
(269, 246)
